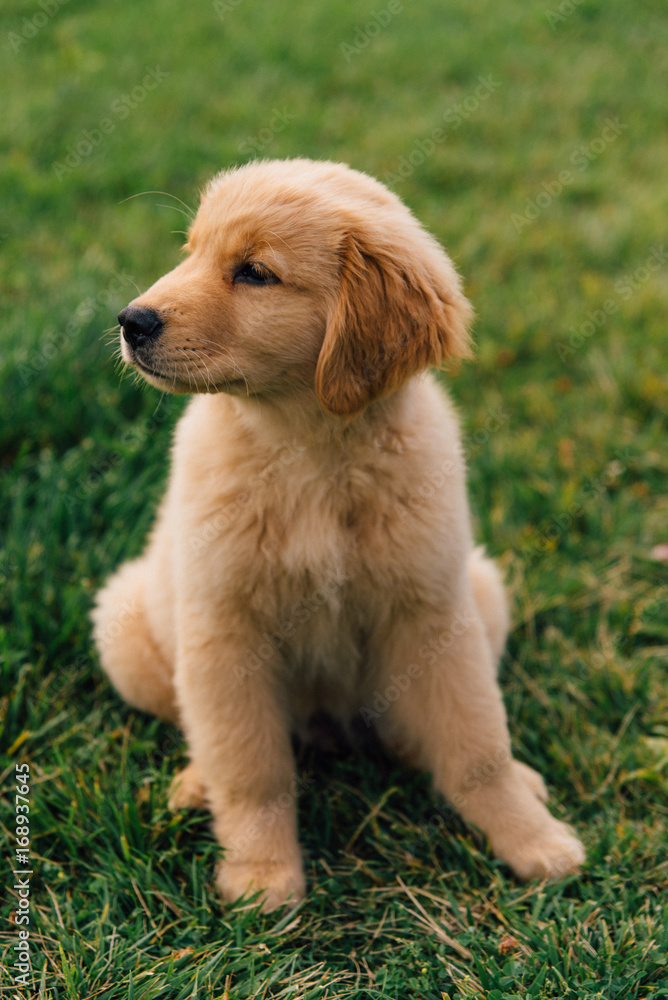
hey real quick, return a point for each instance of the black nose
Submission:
(139, 325)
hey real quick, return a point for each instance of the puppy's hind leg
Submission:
(137, 668)
(450, 715)
(492, 602)
(491, 599)
(187, 790)
(128, 652)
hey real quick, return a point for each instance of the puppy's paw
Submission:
(553, 852)
(281, 883)
(531, 778)
(187, 790)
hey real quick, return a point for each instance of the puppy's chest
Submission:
(326, 571)
(276, 532)
(338, 523)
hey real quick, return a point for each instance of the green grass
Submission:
(568, 472)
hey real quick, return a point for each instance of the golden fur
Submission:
(314, 548)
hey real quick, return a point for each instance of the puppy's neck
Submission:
(302, 420)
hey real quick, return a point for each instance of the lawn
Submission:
(531, 139)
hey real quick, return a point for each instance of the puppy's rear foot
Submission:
(531, 778)
(552, 852)
(187, 790)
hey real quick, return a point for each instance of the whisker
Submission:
(159, 403)
(236, 368)
(189, 213)
(216, 362)
(202, 340)
(203, 366)
(175, 209)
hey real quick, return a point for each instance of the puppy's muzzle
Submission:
(140, 326)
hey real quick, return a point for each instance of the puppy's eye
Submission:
(252, 273)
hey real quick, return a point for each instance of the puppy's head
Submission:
(301, 277)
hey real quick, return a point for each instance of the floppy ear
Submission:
(395, 315)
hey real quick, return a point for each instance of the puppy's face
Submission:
(300, 277)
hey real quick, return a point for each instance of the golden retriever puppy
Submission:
(314, 547)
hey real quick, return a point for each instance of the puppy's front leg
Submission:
(448, 716)
(239, 742)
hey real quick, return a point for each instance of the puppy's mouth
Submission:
(150, 371)
(181, 382)
(154, 376)
(167, 381)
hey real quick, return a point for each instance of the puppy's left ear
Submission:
(397, 313)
